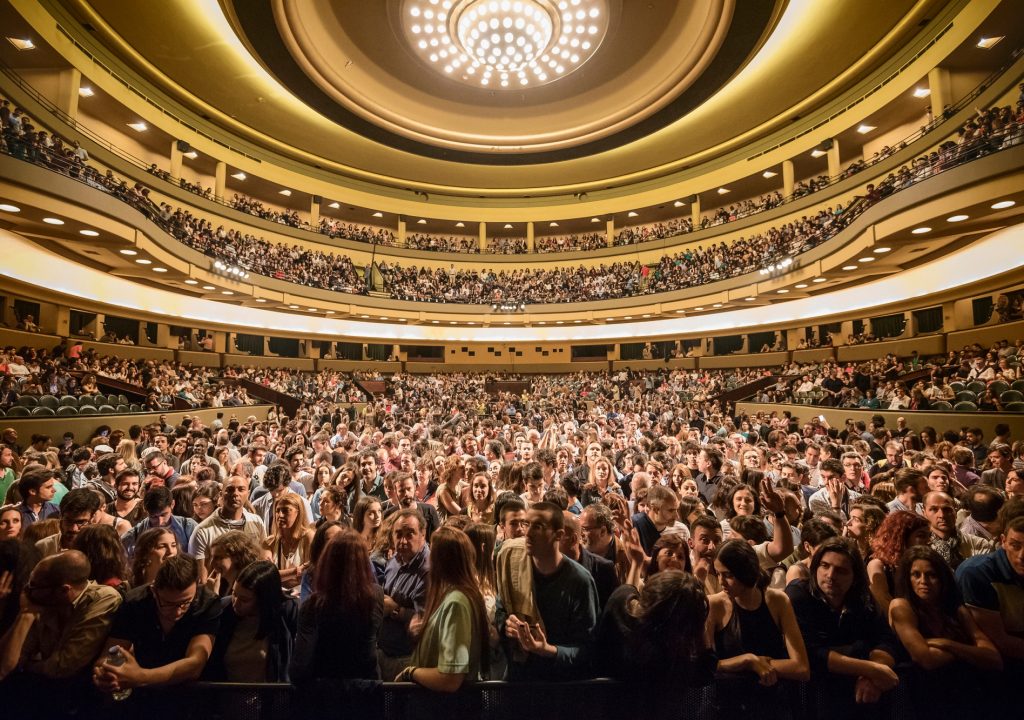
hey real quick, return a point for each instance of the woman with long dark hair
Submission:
(948, 649)
(453, 645)
(900, 530)
(755, 632)
(107, 560)
(338, 625)
(325, 532)
(257, 629)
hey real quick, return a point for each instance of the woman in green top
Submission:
(453, 643)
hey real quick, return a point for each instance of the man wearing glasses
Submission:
(60, 628)
(156, 466)
(165, 632)
(77, 510)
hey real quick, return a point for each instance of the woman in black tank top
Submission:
(756, 636)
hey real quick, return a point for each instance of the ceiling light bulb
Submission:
(128, 252)
(957, 218)
(9, 208)
(920, 230)
(1001, 205)
(86, 91)
(768, 174)
(864, 129)
(53, 221)
(88, 233)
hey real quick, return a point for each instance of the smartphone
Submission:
(821, 418)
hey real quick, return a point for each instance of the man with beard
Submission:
(405, 494)
(77, 510)
(127, 505)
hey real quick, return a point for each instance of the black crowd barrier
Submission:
(602, 699)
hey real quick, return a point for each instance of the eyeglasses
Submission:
(167, 605)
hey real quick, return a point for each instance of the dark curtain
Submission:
(982, 309)
(589, 352)
(728, 344)
(79, 321)
(285, 347)
(249, 344)
(929, 320)
(378, 352)
(888, 326)
(122, 327)
(349, 351)
(759, 340)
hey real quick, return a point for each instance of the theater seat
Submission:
(49, 401)
(87, 410)
(66, 410)
(966, 396)
(941, 405)
(18, 411)
(27, 401)
(1017, 407)
(1010, 396)
(965, 406)
(107, 409)
(42, 410)
(68, 401)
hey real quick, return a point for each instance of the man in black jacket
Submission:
(601, 569)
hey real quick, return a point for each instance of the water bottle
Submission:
(116, 658)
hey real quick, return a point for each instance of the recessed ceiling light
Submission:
(508, 226)
(286, 192)
(460, 224)
(191, 155)
(382, 317)
(987, 43)
(10, 208)
(800, 286)
(22, 43)
(209, 287)
(632, 213)
(717, 305)
(540, 323)
(53, 221)
(365, 317)
(920, 230)
(239, 175)
(783, 291)
(160, 269)
(922, 92)
(819, 280)
(749, 299)
(334, 206)
(628, 317)
(378, 214)
(399, 319)
(1003, 204)
(88, 233)
(606, 319)
(294, 307)
(881, 250)
(421, 221)
(698, 308)
(595, 219)
(226, 292)
(86, 91)
(126, 251)
(435, 322)
(864, 128)
(507, 323)
(190, 281)
(768, 174)
(866, 259)
(328, 312)
(138, 126)
(552, 224)
(678, 203)
(144, 261)
(680, 311)
(311, 309)
(647, 315)
(817, 153)
(723, 190)
(849, 267)
(957, 218)
(261, 300)
(557, 322)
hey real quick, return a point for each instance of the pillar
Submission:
(941, 95)
(69, 82)
(95, 328)
(396, 350)
(788, 179)
(793, 338)
(950, 322)
(610, 232)
(220, 179)
(54, 319)
(402, 233)
(845, 331)
(175, 160)
(164, 338)
(530, 240)
(314, 211)
(695, 212)
(834, 165)
(483, 237)
(220, 341)
(909, 325)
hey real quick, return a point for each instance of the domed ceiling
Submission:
(561, 96)
(568, 77)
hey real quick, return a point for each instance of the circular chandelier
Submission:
(505, 44)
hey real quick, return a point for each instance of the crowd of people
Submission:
(881, 384)
(576, 242)
(583, 526)
(992, 129)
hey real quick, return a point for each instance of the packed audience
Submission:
(444, 533)
(570, 243)
(993, 129)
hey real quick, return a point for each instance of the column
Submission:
(845, 331)
(833, 159)
(54, 319)
(695, 212)
(610, 231)
(401, 231)
(938, 83)
(950, 321)
(314, 211)
(530, 242)
(788, 179)
(95, 328)
(220, 342)
(164, 338)
(909, 325)
(175, 160)
(793, 337)
(69, 81)
(483, 237)
(220, 179)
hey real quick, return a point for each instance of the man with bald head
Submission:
(59, 631)
(953, 545)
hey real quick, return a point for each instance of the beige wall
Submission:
(927, 345)
(837, 417)
(750, 360)
(985, 336)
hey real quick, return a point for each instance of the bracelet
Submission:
(779, 515)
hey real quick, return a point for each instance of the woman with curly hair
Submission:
(448, 491)
(900, 530)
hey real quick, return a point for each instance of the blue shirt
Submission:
(181, 527)
(28, 517)
(989, 582)
(406, 584)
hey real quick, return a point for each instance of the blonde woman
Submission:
(288, 547)
(126, 449)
